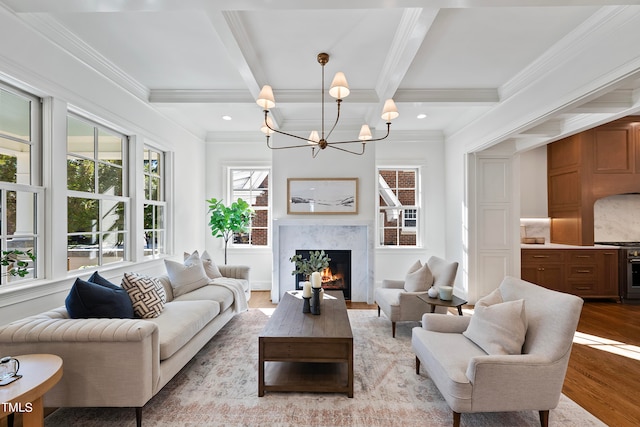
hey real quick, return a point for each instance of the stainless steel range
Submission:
(629, 272)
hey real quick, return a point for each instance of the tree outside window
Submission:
(252, 185)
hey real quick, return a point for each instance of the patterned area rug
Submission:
(219, 387)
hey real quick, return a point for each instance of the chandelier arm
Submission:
(287, 146)
(349, 151)
(367, 141)
(339, 101)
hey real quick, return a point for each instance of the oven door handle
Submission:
(634, 260)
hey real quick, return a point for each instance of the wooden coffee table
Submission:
(302, 352)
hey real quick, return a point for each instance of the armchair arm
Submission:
(445, 323)
(506, 382)
(235, 271)
(394, 284)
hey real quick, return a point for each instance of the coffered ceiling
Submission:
(456, 62)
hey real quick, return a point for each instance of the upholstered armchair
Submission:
(403, 305)
(511, 355)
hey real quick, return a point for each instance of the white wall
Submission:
(222, 151)
(40, 67)
(533, 183)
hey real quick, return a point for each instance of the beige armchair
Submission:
(471, 380)
(402, 306)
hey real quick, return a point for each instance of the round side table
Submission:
(40, 372)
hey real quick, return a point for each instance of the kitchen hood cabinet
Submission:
(585, 167)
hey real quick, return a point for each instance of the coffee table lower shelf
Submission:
(307, 377)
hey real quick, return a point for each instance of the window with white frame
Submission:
(398, 199)
(154, 202)
(97, 196)
(252, 185)
(21, 196)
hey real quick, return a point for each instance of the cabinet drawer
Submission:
(587, 288)
(541, 256)
(583, 256)
(582, 272)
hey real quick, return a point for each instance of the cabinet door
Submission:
(552, 276)
(529, 273)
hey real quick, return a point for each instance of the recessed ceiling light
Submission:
(422, 116)
(226, 118)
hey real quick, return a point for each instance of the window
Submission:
(399, 206)
(21, 196)
(154, 203)
(96, 204)
(252, 185)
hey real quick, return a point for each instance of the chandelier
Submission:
(319, 141)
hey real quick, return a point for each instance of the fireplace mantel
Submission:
(354, 235)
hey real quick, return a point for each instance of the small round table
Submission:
(453, 302)
(40, 372)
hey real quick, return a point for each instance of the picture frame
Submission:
(322, 196)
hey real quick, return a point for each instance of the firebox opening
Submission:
(335, 277)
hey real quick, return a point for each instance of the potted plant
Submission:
(17, 262)
(227, 220)
(317, 261)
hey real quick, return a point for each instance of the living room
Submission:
(96, 64)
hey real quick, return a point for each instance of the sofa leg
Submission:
(456, 419)
(378, 311)
(10, 419)
(417, 366)
(393, 329)
(139, 416)
(544, 418)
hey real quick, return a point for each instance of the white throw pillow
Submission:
(498, 328)
(146, 293)
(419, 280)
(210, 267)
(186, 277)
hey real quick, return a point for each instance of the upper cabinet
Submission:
(585, 167)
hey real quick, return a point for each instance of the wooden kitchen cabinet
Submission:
(588, 273)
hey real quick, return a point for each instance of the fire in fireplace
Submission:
(336, 277)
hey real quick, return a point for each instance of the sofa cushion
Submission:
(146, 293)
(498, 328)
(418, 280)
(212, 292)
(181, 321)
(188, 276)
(99, 299)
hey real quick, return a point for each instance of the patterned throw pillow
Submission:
(146, 293)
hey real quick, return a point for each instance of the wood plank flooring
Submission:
(604, 383)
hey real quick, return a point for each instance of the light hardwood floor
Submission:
(604, 370)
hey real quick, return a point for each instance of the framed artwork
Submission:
(322, 196)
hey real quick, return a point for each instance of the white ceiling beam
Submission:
(612, 102)
(471, 96)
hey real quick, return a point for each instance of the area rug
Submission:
(219, 387)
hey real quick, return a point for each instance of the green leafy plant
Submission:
(227, 220)
(17, 262)
(317, 261)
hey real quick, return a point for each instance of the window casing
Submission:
(21, 196)
(97, 202)
(399, 207)
(252, 185)
(155, 205)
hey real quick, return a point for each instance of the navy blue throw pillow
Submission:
(99, 299)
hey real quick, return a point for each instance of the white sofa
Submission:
(125, 362)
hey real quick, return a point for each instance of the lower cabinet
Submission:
(588, 273)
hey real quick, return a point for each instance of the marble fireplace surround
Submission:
(354, 235)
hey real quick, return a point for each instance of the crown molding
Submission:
(56, 33)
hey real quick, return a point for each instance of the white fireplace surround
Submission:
(290, 235)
